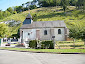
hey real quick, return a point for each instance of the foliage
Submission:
(10, 10)
(47, 45)
(4, 14)
(77, 32)
(18, 9)
(32, 7)
(14, 12)
(34, 17)
(16, 35)
(3, 30)
(33, 44)
(47, 3)
(64, 4)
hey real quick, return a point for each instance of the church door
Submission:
(38, 34)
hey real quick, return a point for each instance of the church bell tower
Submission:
(28, 20)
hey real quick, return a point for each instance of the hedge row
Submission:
(41, 44)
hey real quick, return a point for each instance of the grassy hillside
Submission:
(72, 16)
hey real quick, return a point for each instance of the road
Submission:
(13, 57)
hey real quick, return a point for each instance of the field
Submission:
(72, 16)
(70, 45)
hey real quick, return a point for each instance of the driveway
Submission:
(12, 57)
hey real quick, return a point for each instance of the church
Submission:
(43, 30)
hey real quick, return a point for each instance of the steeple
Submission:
(29, 16)
(28, 19)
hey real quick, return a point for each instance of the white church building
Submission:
(43, 30)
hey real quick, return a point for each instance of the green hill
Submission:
(71, 17)
(51, 14)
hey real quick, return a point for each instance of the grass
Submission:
(48, 50)
(50, 14)
(69, 44)
(71, 17)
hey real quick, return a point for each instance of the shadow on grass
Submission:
(50, 15)
(76, 45)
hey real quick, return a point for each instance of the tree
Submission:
(83, 5)
(64, 3)
(14, 12)
(32, 7)
(47, 3)
(77, 32)
(3, 30)
(1, 15)
(58, 2)
(27, 4)
(35, 17)
(10, 10)
(18, 9)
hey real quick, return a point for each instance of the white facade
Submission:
(38, 33)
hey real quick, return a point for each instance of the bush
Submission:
(47, 45)
(35, 17)
(33, 44)
(32, 7)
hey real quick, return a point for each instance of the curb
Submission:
(42, 52)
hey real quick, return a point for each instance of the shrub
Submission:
(32, 7)
(33, 44)
(47, 45)
(35, 17)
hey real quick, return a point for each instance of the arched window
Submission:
(45, 32)
(59, 31)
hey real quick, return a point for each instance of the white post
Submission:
(26, 43)
(1, 41)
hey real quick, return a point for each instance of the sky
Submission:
(4, 4)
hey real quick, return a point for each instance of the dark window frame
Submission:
(59, 31)
(45, 32)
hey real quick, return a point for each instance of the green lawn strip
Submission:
(48, 50)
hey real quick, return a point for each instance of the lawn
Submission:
(47, 50)
(69, 44)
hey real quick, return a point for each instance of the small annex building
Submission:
(43, 30)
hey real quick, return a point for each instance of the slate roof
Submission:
(27, 21)
(29, 16)
(44, 24)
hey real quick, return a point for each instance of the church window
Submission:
(45, 32)
(59, 31)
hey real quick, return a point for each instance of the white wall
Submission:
(32, 35)
(45, 37)
(59, 37)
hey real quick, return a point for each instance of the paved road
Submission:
(12, 57)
